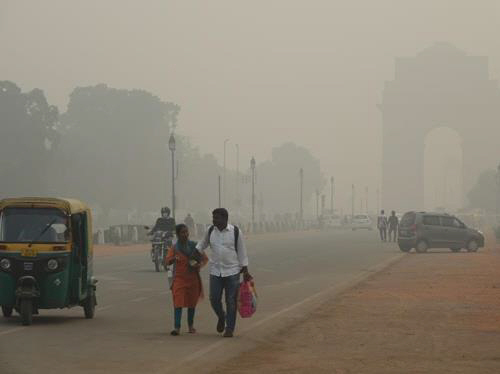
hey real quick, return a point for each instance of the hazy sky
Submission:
(258, 72)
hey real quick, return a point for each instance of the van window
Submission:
(408, 219)
(431, 220)
(447, 221)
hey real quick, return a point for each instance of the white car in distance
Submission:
(361, 221)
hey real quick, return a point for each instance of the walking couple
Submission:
(392, 223)
(228, 259)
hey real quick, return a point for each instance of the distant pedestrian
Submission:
(189, 221)
(382, 225)
(227, 261)
(393, 226)
(186, 285)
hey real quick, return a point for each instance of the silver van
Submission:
(422, 230)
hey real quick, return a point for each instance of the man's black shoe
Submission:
(221, 324)
(228, 334)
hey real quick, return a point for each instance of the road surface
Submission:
(130, 332)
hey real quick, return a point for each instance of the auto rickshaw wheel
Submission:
(7, 311)
(26, 311)
(89, 306)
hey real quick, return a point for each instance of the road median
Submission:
(428, 313)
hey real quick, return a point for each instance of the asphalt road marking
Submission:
(139, 299)
(101, 308)
(339, 287)
(12, 330)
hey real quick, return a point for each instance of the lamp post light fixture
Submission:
(252, 166)
(171, 146)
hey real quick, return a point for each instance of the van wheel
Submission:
(89, 306)
(422, 246)
(26, 311)
(7, 311)
(472, 246)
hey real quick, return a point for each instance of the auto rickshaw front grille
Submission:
(33, 267)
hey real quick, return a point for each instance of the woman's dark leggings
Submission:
(178, 316)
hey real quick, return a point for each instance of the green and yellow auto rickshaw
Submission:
(45, 256)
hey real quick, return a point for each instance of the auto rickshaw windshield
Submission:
(37, 225)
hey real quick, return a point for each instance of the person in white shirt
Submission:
(228, 259)
(382, 225)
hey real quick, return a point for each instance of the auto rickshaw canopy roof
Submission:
(70, 206)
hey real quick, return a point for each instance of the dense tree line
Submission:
(110, 149)
(483, 194)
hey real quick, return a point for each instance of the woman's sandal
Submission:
(174, 332)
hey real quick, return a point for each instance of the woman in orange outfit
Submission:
(186, 285)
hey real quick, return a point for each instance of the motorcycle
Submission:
(160, 242)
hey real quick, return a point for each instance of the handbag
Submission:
(247, 299)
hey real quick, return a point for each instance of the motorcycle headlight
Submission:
(5, 264)
(52, 264)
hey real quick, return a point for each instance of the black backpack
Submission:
(236, 235)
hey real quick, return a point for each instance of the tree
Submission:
(278, 179)
(28, 140)
(115, 147)
(483, 194)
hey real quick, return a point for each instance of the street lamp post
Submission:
(352, 202)
(224, 188)
(238, 176)
(301, 209)
(220, 206)
(366, 200)
(317, 204)
(497, 211)
(332, 180)
(378, 200)
(171, 146)
(252, 166)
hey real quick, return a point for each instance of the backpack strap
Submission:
(236, 235)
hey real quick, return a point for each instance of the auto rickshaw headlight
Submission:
(52, 264)
(5, 264)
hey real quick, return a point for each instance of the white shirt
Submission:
(224, 259)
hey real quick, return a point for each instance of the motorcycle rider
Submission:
(165, 224)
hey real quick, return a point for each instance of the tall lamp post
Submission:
(366, 199)
(224, 188)
(497, 211)
(171, 146)
(252, 166)
(317, 204)
(301, 187)
(352, 202)
(238, 176)
(332, 181)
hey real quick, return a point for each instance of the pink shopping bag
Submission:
(247, 299)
